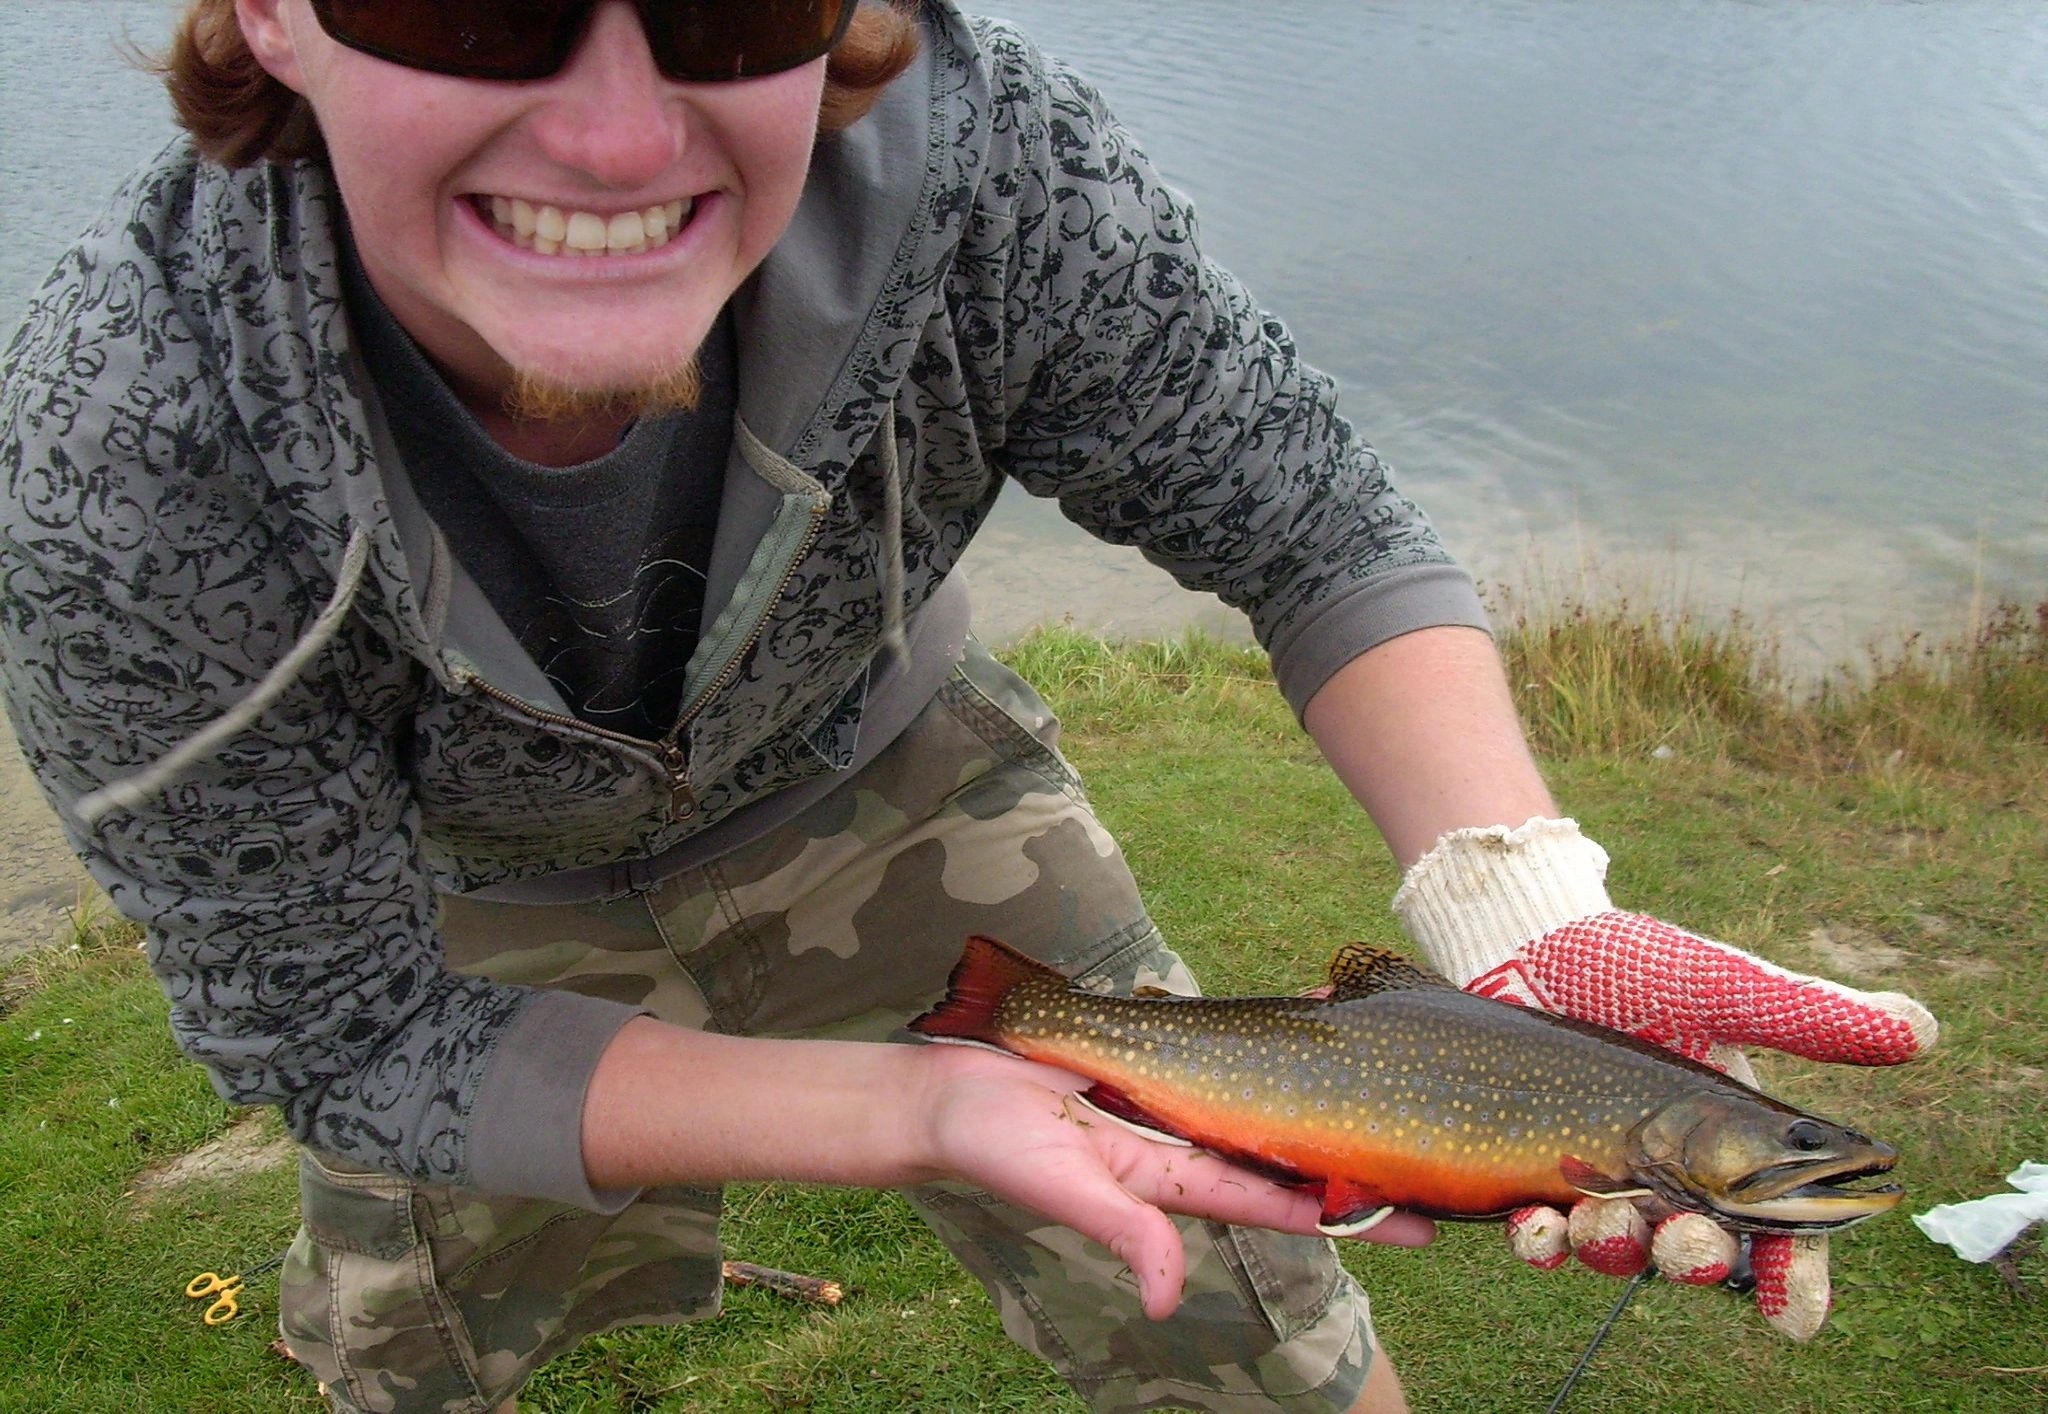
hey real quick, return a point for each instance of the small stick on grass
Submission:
(790, 1284)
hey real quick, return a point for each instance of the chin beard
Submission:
(535, 397)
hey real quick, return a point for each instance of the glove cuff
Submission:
(1482, 893)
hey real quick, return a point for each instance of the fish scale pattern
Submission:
(1641, 975)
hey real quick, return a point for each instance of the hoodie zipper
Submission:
(675, 762)
(816, 511)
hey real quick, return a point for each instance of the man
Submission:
(478, 556)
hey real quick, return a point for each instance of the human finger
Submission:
(1609, 1235)
(1793, 1289)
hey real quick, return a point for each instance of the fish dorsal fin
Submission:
(1360, 969)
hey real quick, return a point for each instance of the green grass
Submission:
(1891, 825)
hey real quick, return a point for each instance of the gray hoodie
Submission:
(275, 717)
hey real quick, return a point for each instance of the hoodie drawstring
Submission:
(131, 791)
(893, 577)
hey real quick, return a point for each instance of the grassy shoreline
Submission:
(1889, 827)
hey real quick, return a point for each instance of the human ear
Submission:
(267, 30)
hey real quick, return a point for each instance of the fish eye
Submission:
(1806, 1136)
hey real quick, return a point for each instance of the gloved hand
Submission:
(1523, 914)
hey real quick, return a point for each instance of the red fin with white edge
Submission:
(1112, 1103)
(986, 973)
(1350, 1208)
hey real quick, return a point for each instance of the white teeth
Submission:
(551, 230)
(626, 231)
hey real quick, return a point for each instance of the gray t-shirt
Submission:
(597, 569)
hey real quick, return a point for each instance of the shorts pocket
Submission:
(358, 1303)
(1290, 1279)
(1007, 713)
(426, 1297)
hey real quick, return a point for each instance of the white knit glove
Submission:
(1523, 915)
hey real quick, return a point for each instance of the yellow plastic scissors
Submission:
(225, 1291)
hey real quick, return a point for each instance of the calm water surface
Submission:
(1739, 304)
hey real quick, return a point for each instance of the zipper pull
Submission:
(681, 803)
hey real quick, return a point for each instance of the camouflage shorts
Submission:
(843, 923)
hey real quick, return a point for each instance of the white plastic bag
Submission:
(1983, 1227)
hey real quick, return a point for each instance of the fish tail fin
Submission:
(986, 973)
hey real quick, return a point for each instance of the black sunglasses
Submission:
(694, 41)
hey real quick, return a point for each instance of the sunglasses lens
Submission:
(692, 40)
(490, 39)
(708, 40)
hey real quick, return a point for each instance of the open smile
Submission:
(554, 230)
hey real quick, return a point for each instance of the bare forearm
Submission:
(1423, 731)
(670, 1105)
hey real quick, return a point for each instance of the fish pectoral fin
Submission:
(1151, 993)
(1595, 1184)
(1112, 1103)
(1350, 1208)
(1361, 969)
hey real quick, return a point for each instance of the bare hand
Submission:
(1015, 1128)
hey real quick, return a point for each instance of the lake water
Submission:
(1733, 304)
(1739, 304)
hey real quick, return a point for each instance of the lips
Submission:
(554, 230)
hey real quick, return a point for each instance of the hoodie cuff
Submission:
(1367, 614)
(526, 1129)
(1481, 894)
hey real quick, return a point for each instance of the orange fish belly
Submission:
(1470, 1175)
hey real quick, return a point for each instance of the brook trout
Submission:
(1400, 1091)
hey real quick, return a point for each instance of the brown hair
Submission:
(238, 114)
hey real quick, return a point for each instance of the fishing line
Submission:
(1586, 1357)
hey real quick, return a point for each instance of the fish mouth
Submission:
(1813, 1195)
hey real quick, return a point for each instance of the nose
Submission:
(609, 112)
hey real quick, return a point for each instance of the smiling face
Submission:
(579, 233)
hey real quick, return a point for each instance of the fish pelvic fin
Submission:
(1361, 969)
(1350, 1208)
(1113, 1104)
(987, 972)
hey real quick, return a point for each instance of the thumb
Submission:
(1142, 1237)
(1642, 975)
(1149, 1245)
(1078, 1189)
